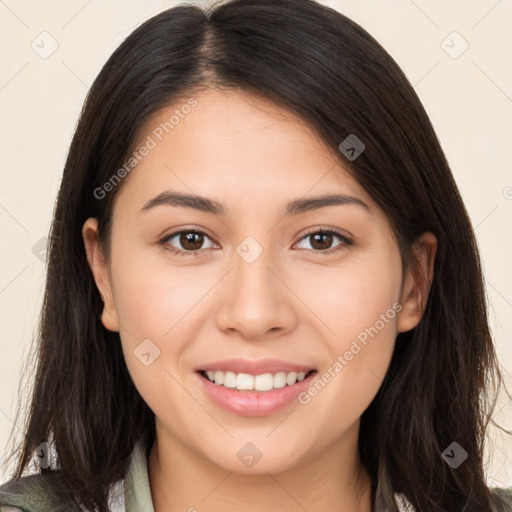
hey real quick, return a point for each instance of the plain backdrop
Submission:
(456, 54)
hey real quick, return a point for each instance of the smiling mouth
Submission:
(259, 383)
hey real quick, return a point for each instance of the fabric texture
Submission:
(38, 493)
(137, 491)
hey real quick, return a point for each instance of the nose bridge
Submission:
(252, 276)
(255, 301)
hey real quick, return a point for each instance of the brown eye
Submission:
(321, 241)
(187, 241)
(191, 241)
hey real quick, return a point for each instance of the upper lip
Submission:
(258, 367)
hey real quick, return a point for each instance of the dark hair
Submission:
(316, 63)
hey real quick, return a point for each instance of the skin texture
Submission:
(292, 303)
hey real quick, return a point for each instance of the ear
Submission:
(417, 282)
(100, 271)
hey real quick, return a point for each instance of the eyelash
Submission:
(346, 242)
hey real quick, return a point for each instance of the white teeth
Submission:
(247, 382)
(280, 380)
(244, 381)
(264, 382)
(291, 378)
(219, 377)
(230, 379)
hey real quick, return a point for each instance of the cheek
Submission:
(359, 304)
(353, 299)
(154, 304)
(154, 299)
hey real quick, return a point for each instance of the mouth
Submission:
(260, 383)
(248, 387)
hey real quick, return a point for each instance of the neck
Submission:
(181, 480)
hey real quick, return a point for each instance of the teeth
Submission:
(247, 382)
(291, 378)
(263, 382)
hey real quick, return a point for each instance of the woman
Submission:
(263, 287)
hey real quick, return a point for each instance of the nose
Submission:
(256, 301)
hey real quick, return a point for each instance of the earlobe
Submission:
(417, 283)
(99, 269)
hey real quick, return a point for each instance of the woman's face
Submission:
(263, 284)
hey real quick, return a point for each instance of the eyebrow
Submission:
(295, 207)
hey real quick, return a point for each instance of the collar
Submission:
(137, 491)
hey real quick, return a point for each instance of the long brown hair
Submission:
(322, 66)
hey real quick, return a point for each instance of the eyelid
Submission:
(326, 229)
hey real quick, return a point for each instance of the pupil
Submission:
(188, 238)
(318, 236)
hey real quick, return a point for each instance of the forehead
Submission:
(237, 146)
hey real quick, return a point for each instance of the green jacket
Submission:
(39, 493)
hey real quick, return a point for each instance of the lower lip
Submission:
(254, 403)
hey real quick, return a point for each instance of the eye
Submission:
(323, 238)
(190, 239)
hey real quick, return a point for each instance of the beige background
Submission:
(469, 100)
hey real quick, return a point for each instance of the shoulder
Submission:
(503, 498)
(36, 493)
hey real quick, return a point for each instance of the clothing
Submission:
(133, 494)
(35, 494)
(137, 492)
